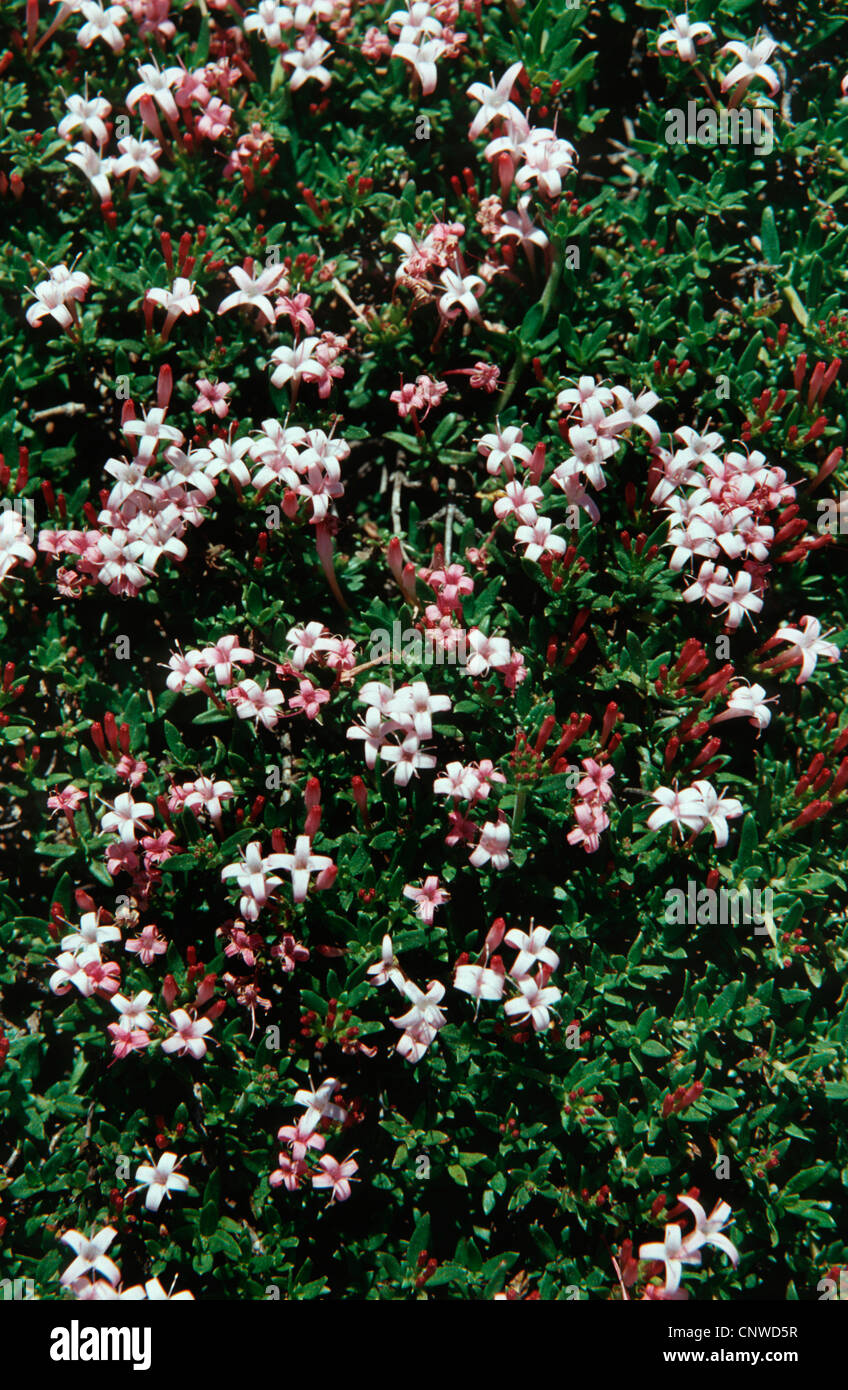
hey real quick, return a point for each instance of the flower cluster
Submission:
(396, 724)
(719, 503)
(304, 1142)
(93, 1275)
(677, 1250)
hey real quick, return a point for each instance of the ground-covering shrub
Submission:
(424, 737)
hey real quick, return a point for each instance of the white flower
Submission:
(459, 291)
(807, 646)
(684, 35)
(293, 363)
(319, 1105)
(252, 702)
(717, 810)
(493, 846)
(407, 758)
(504, 450)
(125, 816)
(300, 865)
(753, 62)
(486, 653)
(160, 1180)
(180, 299)
(707, 1228)
(422, 1022)
(89, 933)
(308, 61)
(156, 84)
(253, 290)
(680, 808)
(532, 948)
(494, 100)
(747, 702)
(270, 20)
(134, 1011)
(53, 294)
(539, 540)
(479, 981)
(91, 1254)
(13, 543)
(386, 968)
(414, 23)
(252, 877)
(138, 155)
(673, 1255)
(422, 58)
(88, 114)
(533, 1004)
(102, 24)
(95, 168)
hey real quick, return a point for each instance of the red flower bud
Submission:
(206, 989)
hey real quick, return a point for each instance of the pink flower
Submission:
(127, 1039)
(224, 655)
(289, 1173)
(297, 308)
(121, 858)
(375, 45)
(336, 1175)
(215, 120)
(289, 952)
(186, 669)
(484, 376)
(206, 795)
(308, 642)
(408, 398)
(147, 945)
(427, 898)
(212, 396)
(131, 769)
(431, 392)
(158, 849)
(188, 1035)
(300, 1139)
(66, 800)
(252, 702)
(310, 699)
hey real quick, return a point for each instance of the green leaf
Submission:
(768, 237)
